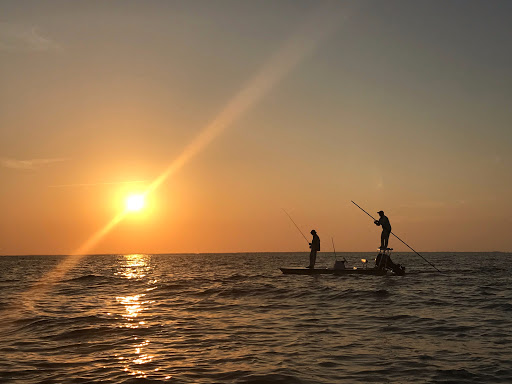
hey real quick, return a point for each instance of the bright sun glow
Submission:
(135, 203)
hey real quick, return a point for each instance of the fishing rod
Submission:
(296, 225)
(334, 249)
(399, 239)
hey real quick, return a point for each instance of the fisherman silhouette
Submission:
(315, 247)
(386, 229)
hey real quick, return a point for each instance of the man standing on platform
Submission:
(386, 229)
(315, 247)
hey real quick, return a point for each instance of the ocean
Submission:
(234, 318)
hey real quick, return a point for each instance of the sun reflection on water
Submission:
(136, 267)
(134, 306)
(137, 314)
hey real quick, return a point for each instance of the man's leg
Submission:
(385, 235)
(312, 259)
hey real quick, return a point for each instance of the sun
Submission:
(135, 203)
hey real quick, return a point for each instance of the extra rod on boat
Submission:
(296, 225)
(334, 249)
(399, 238)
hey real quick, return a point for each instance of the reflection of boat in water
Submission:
(383, 265)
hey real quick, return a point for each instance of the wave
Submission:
(270, 379)
(245, 324)
(46, 323)
(90, 278)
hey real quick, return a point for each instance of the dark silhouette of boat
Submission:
(383, 266)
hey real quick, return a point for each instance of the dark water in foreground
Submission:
(235, 318)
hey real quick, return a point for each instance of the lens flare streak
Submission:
(312, 31)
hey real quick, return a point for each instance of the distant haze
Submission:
(401, 106)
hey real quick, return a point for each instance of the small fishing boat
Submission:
(383, 265)
(332, 271)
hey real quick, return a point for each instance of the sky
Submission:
(226, 114)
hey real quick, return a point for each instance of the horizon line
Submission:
(231, 253)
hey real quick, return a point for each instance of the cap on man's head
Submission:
(380, 212)
(313, 231)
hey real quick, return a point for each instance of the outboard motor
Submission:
(398, 269)
(383, 261)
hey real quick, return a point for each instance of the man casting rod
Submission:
(399, 239)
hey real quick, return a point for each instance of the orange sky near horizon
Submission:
(264, 106)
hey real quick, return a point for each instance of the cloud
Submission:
(28, 164)
(96, 184)
(18, 37)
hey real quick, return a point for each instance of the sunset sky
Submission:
(227, 112)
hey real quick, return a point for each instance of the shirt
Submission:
(384, 221)
(315, 243)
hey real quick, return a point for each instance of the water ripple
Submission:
(237, 319)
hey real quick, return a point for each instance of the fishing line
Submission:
(296, 225)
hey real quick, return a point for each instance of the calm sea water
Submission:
(234, 318)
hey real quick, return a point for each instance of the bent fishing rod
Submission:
(399, 239)
(296, 225)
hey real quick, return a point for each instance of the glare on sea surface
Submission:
(135, 267)
(136, 305)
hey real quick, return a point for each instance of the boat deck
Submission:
(331, 271)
